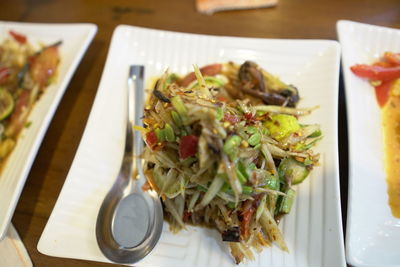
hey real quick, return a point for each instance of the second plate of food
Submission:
(312, 230)
(37, 63)
(373, 223)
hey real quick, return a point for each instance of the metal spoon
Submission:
(129, 222)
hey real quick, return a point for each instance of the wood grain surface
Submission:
(310, 19)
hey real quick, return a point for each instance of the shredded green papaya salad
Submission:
(224, 149)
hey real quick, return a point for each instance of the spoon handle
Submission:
(135, 112)
(135, 102)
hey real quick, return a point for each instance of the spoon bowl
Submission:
(129, 222)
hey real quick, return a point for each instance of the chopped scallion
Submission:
(160, 135)
(255, 139)
(231, 146)
(176, 118)
(287, 201)
(169, 133)
(179, 106)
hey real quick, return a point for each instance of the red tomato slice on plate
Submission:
(376, 73)
(209, 70)
(188, 146)
(44, 65)
(20, 38)
(382, 92)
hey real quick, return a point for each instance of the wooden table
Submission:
(310, 19)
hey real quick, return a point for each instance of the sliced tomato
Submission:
(188, 146)
(209, 70)
(20, 38)
(382, 92)
(384, 64)
(19, 115)
(392, 58)
(376, 73)
(4, 74)
(43, 66)
(151, 139)
(21, 104)
(231, 118)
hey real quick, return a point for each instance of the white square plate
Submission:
(373, 234)
(75, 38)
(313, 230)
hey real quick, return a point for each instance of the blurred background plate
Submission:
(312, 230)
(76, 38)
(12, 251)
(372, 234)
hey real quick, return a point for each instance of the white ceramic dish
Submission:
(12, 251)
(76, 38)
(373, 234)
(313, 230)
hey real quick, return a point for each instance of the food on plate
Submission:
(24, 75)
(211, 6)
(384, 76)
(224, 149)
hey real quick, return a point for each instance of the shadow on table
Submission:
(343, 151)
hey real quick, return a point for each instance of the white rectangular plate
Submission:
(313, 230)
(373, 234)
(76, 38)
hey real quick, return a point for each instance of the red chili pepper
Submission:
(221, 98)
(247, 213)
(18, 37)
(151, 139)
(231, 118)
(249, 116)
(392, 58)
(186, 215)
(376, 73)
(188, 146)
(209, 70)
(4, 74)
(382, 92)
